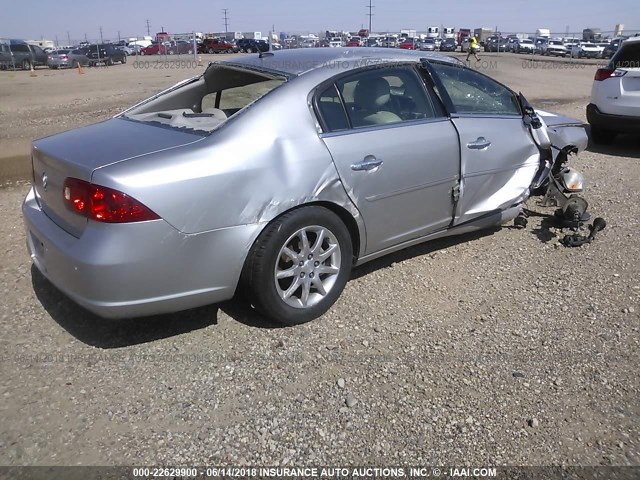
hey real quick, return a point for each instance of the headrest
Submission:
(372, 93)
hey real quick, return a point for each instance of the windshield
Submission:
(206, 102)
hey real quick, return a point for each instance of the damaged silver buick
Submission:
(277, 173)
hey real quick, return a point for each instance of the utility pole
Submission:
(85, 38)
(226, 20)
(118, 36)
(57, 44)
(68, 39)
(101, 41)
(370, 14)
(148, 29)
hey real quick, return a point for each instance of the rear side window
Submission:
(20, 48)
(472, 92)
(331, 110)
(627, 57)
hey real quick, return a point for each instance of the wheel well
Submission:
(348, 220)
(344, 215)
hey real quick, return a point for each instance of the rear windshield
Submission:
(627, 57)
(207, 102)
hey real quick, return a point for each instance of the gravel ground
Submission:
(498, 348)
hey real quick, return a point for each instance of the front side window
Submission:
(384, 96)
(472, 92)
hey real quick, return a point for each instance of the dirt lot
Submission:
(495, 348)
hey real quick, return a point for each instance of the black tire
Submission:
(211, 50)
(110, 61)
(259, 273)
(602, 136)
(124, 60)
(26, 65)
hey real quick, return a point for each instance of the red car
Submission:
(153, 49)
(354, 42)
(409, 44)
(216, 45)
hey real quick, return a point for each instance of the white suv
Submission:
(615, 95)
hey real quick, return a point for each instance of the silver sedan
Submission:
(276, 173)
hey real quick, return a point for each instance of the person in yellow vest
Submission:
(474, 46)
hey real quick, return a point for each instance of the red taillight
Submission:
(604, 73)
(103, 204)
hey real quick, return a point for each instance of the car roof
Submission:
(301, 61)
(631, 40)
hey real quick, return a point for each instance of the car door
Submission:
(499, 158)
(396, 153)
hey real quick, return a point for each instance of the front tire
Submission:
(299, 265)
(124, 60)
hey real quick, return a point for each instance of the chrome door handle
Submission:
(480, 144)
(369, 163)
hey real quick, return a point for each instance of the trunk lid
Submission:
(78, 153)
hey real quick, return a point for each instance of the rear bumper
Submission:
(614, 123)
(138, 269)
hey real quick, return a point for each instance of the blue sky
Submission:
(35, 19)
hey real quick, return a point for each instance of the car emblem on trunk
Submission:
(44, 180)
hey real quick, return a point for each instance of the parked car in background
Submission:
(525, 45)
(448, 45)
(540, 45)
(409, 43)
(324, 43)
(21, 56)
(495, 44)
(464, 45)
(585, 50)
(372, 42)
(336, 42)
(250, 45)
(615, 99)
(40, 57)
(105, 53)
(389, 42)
(601, 46)
(354, 42)
(610, 50)
(512, 43)
(556, 48)
(180, 47)
(569, 42)
(126, 49)
(131, 231)
(217, 45)
(155, 48)
(58, 58)
(78, 56)
(427, 45)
